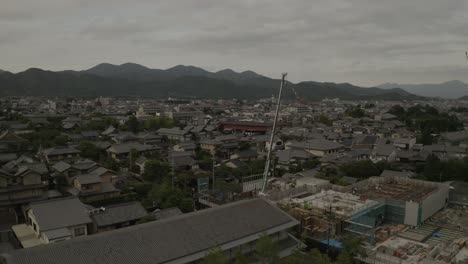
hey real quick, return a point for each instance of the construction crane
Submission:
(268, 160)
(298, 98)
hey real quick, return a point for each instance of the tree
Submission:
(433, 168)
(133, 124)
(156, 123)
(397, 111)
(355, 112)
(266, 250)
(216, 256)
(166, 196)
(61, 140)
(319, 258)
(344, 258)
(299, 257)
(156, 170)
(89, 150)
(310, 164)
(425, 138)
(361, 169)
(325, 120)
(240, 258)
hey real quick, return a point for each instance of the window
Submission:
(80, 231)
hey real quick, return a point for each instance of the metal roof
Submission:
(59, 213)
(119, 213)
(165, 241)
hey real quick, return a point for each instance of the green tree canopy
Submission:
(216, 256)
(156, 170)
(89, 150)
(266, 250)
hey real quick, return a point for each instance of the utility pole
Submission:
(213, 173)
(172, 170)
(268, 160)
(329, 229)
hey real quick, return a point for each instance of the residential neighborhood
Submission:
(340, 170)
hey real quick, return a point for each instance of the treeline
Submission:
(426, 121)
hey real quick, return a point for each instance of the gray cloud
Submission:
(365, 42)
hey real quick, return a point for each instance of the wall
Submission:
(32, 218)
(318, 153)
(3, 182)
(32, 178)
(434, 202)
(411, 213)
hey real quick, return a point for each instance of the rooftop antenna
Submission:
(268, 160)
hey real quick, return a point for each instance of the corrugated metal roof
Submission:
(58, 213)
(163, 240)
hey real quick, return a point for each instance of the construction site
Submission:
(402, 220)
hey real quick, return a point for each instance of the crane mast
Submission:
(268, 160)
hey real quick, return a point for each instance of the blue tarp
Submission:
(332, 243)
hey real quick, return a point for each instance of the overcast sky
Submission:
(364, 42)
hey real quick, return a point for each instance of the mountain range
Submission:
(130, 79)
(452, 89)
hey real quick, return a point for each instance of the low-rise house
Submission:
(7, 157)
(237, 164)
(185, 146)
(64, 169)
(122, 151)
(23, 187)
(140, 163)
(182, 160)
(364, 142)
(58, 220)
(176, 134)
(109, 131)
(106, 175)
(149, 138)
(318, 147)
(455, 137)
(289, 156)
(245, 155)
(117, 216)
(404, 143)
(10, 142)
(210, 145)
(386, 152)
(59, 153)
(166, 213)
(90, 135)
(90, 187)
(125, 137)
(391, 173)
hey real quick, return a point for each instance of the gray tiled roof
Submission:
(120, 213)
(58, 213)
(164, 240)
(88, 178)
(127, 147)
(389, 173)
(317, 144)
(167, 213)
(61, 166)
(60, 151)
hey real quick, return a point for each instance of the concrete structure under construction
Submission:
(366, 206)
